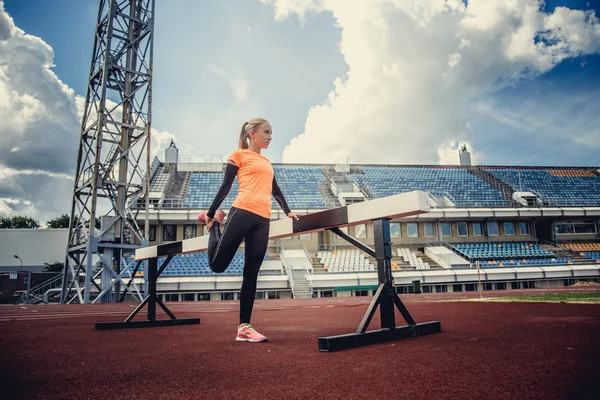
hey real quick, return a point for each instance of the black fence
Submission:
(14, 284)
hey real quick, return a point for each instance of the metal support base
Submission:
(385, 299)
(151, 301)
(103, 326)
(352, 340)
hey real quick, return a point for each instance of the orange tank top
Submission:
(255, 178)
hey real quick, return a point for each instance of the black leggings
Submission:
(241, 226)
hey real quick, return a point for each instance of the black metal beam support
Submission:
(352, 241)
(353, 340)
(151, 300)
(385, 298)
(383, 255)
(135, 270)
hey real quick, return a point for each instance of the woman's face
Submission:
(261, 135)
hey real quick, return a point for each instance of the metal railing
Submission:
(288, 268)
(51, 280)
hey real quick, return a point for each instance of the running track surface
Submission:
(485, 351)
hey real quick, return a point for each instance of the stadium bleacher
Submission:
(515, 254)
(203, 188)
(485, 251)
(344, 260)
(197, 264)
(592, 255)
(526, 262)
(557, 187)
(160, 179)
(412, 259)
(466, 189)
(300, 185)
(583, 246)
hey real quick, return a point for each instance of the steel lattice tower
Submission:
(112, 176)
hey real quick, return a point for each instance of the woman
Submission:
(249, 217)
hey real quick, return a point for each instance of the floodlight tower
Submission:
(111, 179)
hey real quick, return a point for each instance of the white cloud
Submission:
(40, 122)
(283, 8)
(236, 80)
(416, 68)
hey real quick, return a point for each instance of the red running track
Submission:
(485, 351)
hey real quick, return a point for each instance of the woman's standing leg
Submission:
(256, 247)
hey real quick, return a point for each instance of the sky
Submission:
(376, 81)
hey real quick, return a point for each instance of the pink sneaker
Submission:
(219, 216)
(246, 333)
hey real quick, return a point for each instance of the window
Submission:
(492, 228)
(509, 229)
(360, 231)
(395, 230)
(305, 236)
(189, 231)
(169, 233)
(273, 294)
(580, 227)
(584, 227)
(462, 229)
(446, 229)
(563, 228)
(152, 233)
(413, 229)
(203, 296)
(524, 228)
(227, 296)
(477, 229)
(429, 229)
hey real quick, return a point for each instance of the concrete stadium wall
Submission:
(34, 246)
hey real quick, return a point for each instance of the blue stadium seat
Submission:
(507, 253)
(300, 186)
(466, 189)
(557, 187)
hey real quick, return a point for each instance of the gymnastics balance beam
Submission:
(378, 211)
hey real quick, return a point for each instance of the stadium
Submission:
(523, 227)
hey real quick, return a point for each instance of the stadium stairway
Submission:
(417, 251)
(327, 194)
(179, 184)
(505, 190)
(316, 263)
(301, 286)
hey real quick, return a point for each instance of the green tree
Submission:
(56, 266)
(18, 222)
(59, 222)
(63, 222)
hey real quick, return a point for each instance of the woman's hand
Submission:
(209, 222)
(292, 215)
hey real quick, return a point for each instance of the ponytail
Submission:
(244, 142)
(244, 137)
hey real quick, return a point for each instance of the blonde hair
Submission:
(251, 125)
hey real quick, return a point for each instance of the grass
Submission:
(580, 298)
